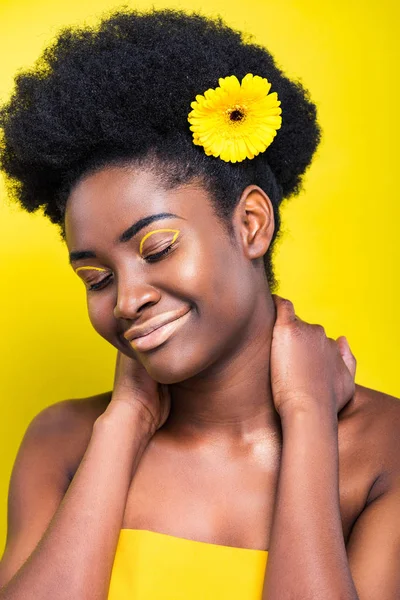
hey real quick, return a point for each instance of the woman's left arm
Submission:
(307, 554)
(307, 557)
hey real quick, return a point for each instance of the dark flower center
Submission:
(236, 115)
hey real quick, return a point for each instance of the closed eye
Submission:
(151, 258)
(158, 255)
(100, 284)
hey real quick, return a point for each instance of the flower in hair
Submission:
(236, 120)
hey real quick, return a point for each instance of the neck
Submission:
(231, 402)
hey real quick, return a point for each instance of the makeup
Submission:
(144, 238)
(89, 269)
(91, 285)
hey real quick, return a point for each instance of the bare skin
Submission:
(196, 497)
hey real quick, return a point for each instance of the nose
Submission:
(132, 298)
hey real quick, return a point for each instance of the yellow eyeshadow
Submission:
(144, 238)
(89, 269)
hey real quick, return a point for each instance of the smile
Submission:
(158, 336)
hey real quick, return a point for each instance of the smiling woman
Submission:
(162, 144)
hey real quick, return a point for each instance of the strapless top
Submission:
(155, 566)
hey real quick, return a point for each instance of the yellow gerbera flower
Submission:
(236, 121)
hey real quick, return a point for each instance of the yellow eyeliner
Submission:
(144, 238)
(89, 269)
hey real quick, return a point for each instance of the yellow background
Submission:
(338, 258)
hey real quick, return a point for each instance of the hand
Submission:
(307, 367)
(133, 385)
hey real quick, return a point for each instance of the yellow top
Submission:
(155, 566)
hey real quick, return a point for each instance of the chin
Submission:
(167, 374)
(169, 367)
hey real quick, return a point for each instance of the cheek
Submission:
(229, 278)
(187, 274)
(227, 289)
(231, 299)
(101, 315)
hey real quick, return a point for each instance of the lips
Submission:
(154, 323)
(159, 335)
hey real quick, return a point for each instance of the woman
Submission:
(234, 438)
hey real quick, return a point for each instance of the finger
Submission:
(284, 310)
(347, 355)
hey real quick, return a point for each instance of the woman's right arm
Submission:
(74, 558)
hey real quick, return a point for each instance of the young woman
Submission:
(235, 456)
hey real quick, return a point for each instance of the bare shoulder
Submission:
(369, 432)
(72, 415)
(70, 424)
(87, 410)
(373, 412)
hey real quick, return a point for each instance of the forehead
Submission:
(106, 203)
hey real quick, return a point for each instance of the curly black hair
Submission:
(121, 92)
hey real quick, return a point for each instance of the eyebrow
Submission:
(125, 236)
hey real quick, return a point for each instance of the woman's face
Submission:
(181, 267)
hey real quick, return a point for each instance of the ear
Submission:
(254, 219)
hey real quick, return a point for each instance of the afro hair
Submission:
(121, 91)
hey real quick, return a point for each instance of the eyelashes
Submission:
(150, 259)
(158, 255)
(100, 284)
(94, 286)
